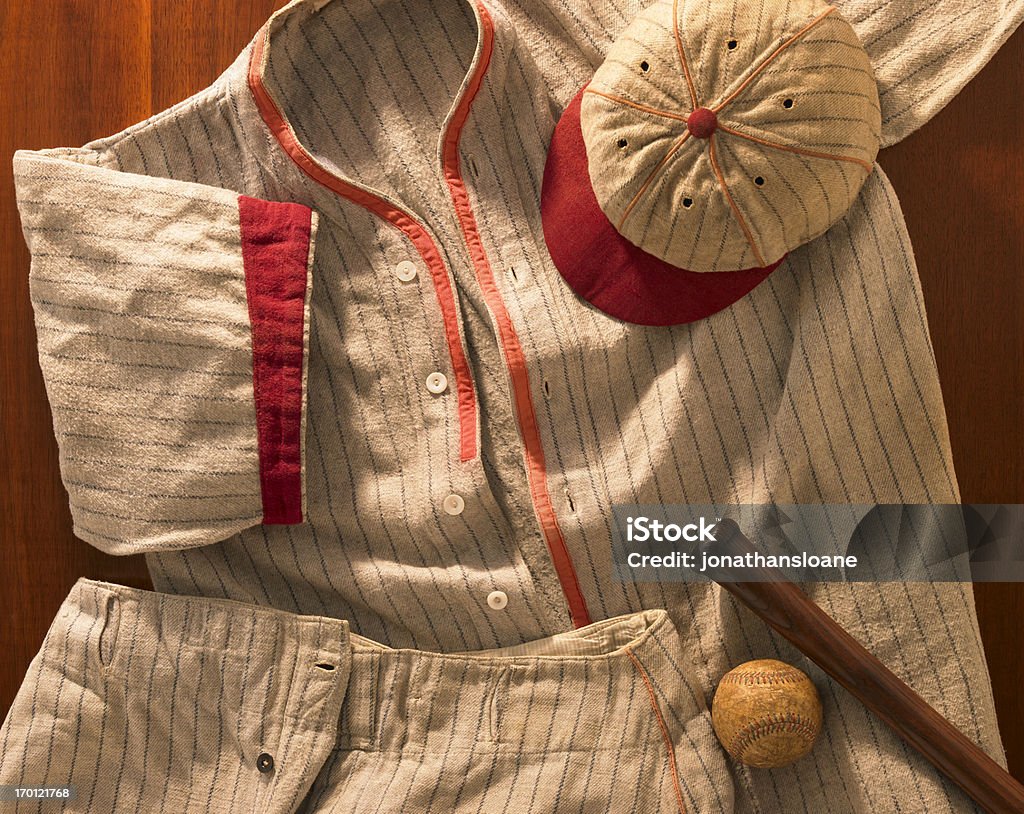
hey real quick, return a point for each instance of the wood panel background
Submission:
(75, 70)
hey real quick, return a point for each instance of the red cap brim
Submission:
(603, 267)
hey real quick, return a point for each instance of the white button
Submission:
(497, 600)
(406, 271)
(437, 382)
(454, 504)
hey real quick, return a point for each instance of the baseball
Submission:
(766, 713)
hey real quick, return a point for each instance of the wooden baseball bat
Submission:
(791, 613)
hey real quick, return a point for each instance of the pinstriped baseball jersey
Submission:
(306, 349)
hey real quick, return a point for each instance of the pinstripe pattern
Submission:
(535, 732)
(820, 386)
(922, 54)
(150, 702)
(352, 725)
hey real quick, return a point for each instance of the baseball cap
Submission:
(715, 138)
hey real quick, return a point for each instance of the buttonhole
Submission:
(731, 45)
(547, 388)
(788, 103)
(323, 665)
(622, 143)
(687, 202)
(472, 167)
(645, 66)
(512, 271)
(759, 181)
(568, 499)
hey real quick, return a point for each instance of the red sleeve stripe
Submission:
(275, 254)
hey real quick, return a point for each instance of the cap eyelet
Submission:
(759, 181)
(787, 103)
(731, 45)
(687, 203)
(622, 143)
(645, 66)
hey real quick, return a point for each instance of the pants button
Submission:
(265, 763)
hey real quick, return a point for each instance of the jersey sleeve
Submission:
(923, 52)
(172, 324)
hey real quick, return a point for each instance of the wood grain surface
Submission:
(75, 70)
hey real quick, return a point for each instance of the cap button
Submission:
(702, 122)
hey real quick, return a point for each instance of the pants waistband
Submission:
(548, 694)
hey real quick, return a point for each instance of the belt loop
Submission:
(422, 677)
(358, 716)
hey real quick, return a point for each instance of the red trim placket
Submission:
(514, 356)
(275, 254)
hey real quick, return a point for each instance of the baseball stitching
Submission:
(791, 722)
(748, 677)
